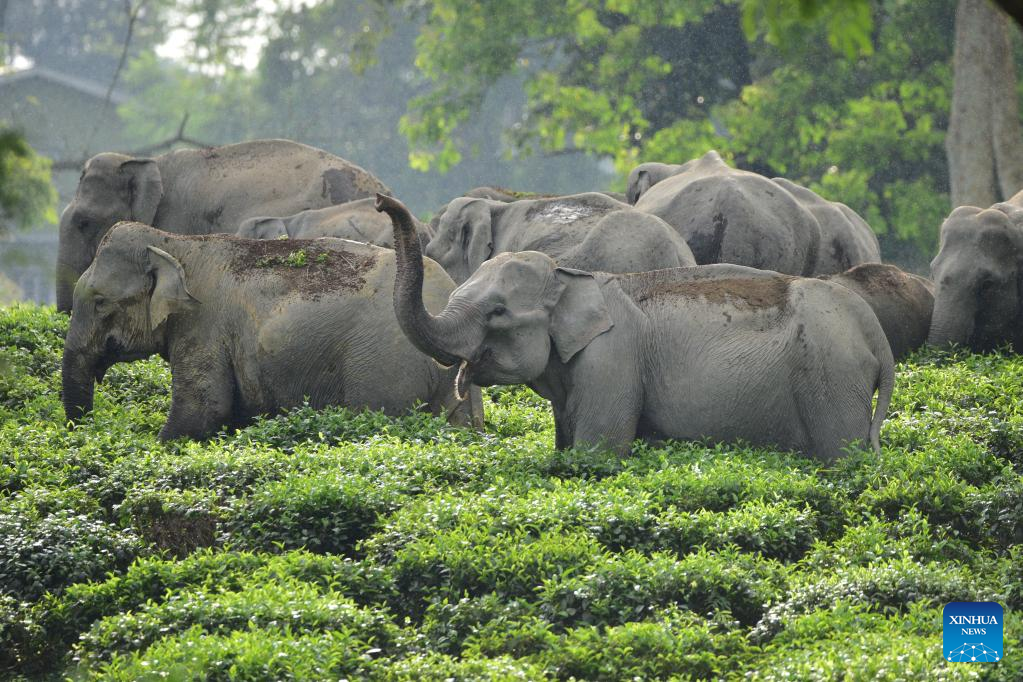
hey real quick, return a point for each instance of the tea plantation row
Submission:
(331, 545)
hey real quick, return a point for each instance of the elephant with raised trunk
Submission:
(728, 215)
(978, 278)
(722, 352)
(253, 327)
(199, 191)
(902, 301)
(356, 220)
(589, 231)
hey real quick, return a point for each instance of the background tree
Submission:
(985, 142)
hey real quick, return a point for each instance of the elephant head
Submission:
(262, 228)
(121, 308)
(977, 277)
(646, 175)
(113, 187)
(501, 324)
(463, 237)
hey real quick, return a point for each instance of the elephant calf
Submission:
(252, 327)
(590, 231)
(722, 351)
(902, 301)
(356, 220)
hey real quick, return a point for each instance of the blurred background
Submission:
(853, 98)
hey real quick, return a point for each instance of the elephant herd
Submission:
(706, 302)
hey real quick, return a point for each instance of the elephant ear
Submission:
(145, 188)
(639, 186)
(580, 313)
(477, 234)
(170, 295)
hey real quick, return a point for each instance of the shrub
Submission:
(472, 563)
(175, 521)
(887, 587)
(491, 555)
(47, 554)
(38, 637)
(326, 512)
(240, 655)
(630, 586)
(288, 605)
(675, 644)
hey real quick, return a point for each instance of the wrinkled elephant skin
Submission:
(734, 216)
(253, 327)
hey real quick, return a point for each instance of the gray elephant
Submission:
(978, 275)
(723, 352)
(734, 216)
(199, 191)
(588, 231)
(356, 220)
(846, 239)
(252, 327)
(902, 301)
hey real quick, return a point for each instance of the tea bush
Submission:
(327, 544)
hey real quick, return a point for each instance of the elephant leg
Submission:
(602, 418)
(201, 400)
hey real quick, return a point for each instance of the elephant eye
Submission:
(498, 311)
(99, 301)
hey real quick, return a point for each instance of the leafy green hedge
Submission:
(327, 544)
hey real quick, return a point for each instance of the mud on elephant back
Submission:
(723, 352)
(199, 191)
(253, 327)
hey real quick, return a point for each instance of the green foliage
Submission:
(325, 544)
(295, 259)
(848, 97)
(27, 197)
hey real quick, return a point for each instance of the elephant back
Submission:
(730, 216)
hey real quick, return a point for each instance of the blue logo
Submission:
(972, 632)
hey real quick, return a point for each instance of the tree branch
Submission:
(179, 137)
(133, 15)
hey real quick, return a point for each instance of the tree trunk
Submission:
(985, 140)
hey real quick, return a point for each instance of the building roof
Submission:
(83, 85)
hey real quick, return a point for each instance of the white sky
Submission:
(176, 44)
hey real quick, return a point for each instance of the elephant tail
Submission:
(885, 386)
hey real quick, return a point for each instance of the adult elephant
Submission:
(728, 215)
(199, 191)
(978, 275)
(356, 220)
(846, 239)
(902, 301)
(253, 327)
(589, 231)
(723, 351)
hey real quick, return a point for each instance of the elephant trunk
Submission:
(437, 336)
(949, 324)
(78, 380)
(74, 255)
(69, 269)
